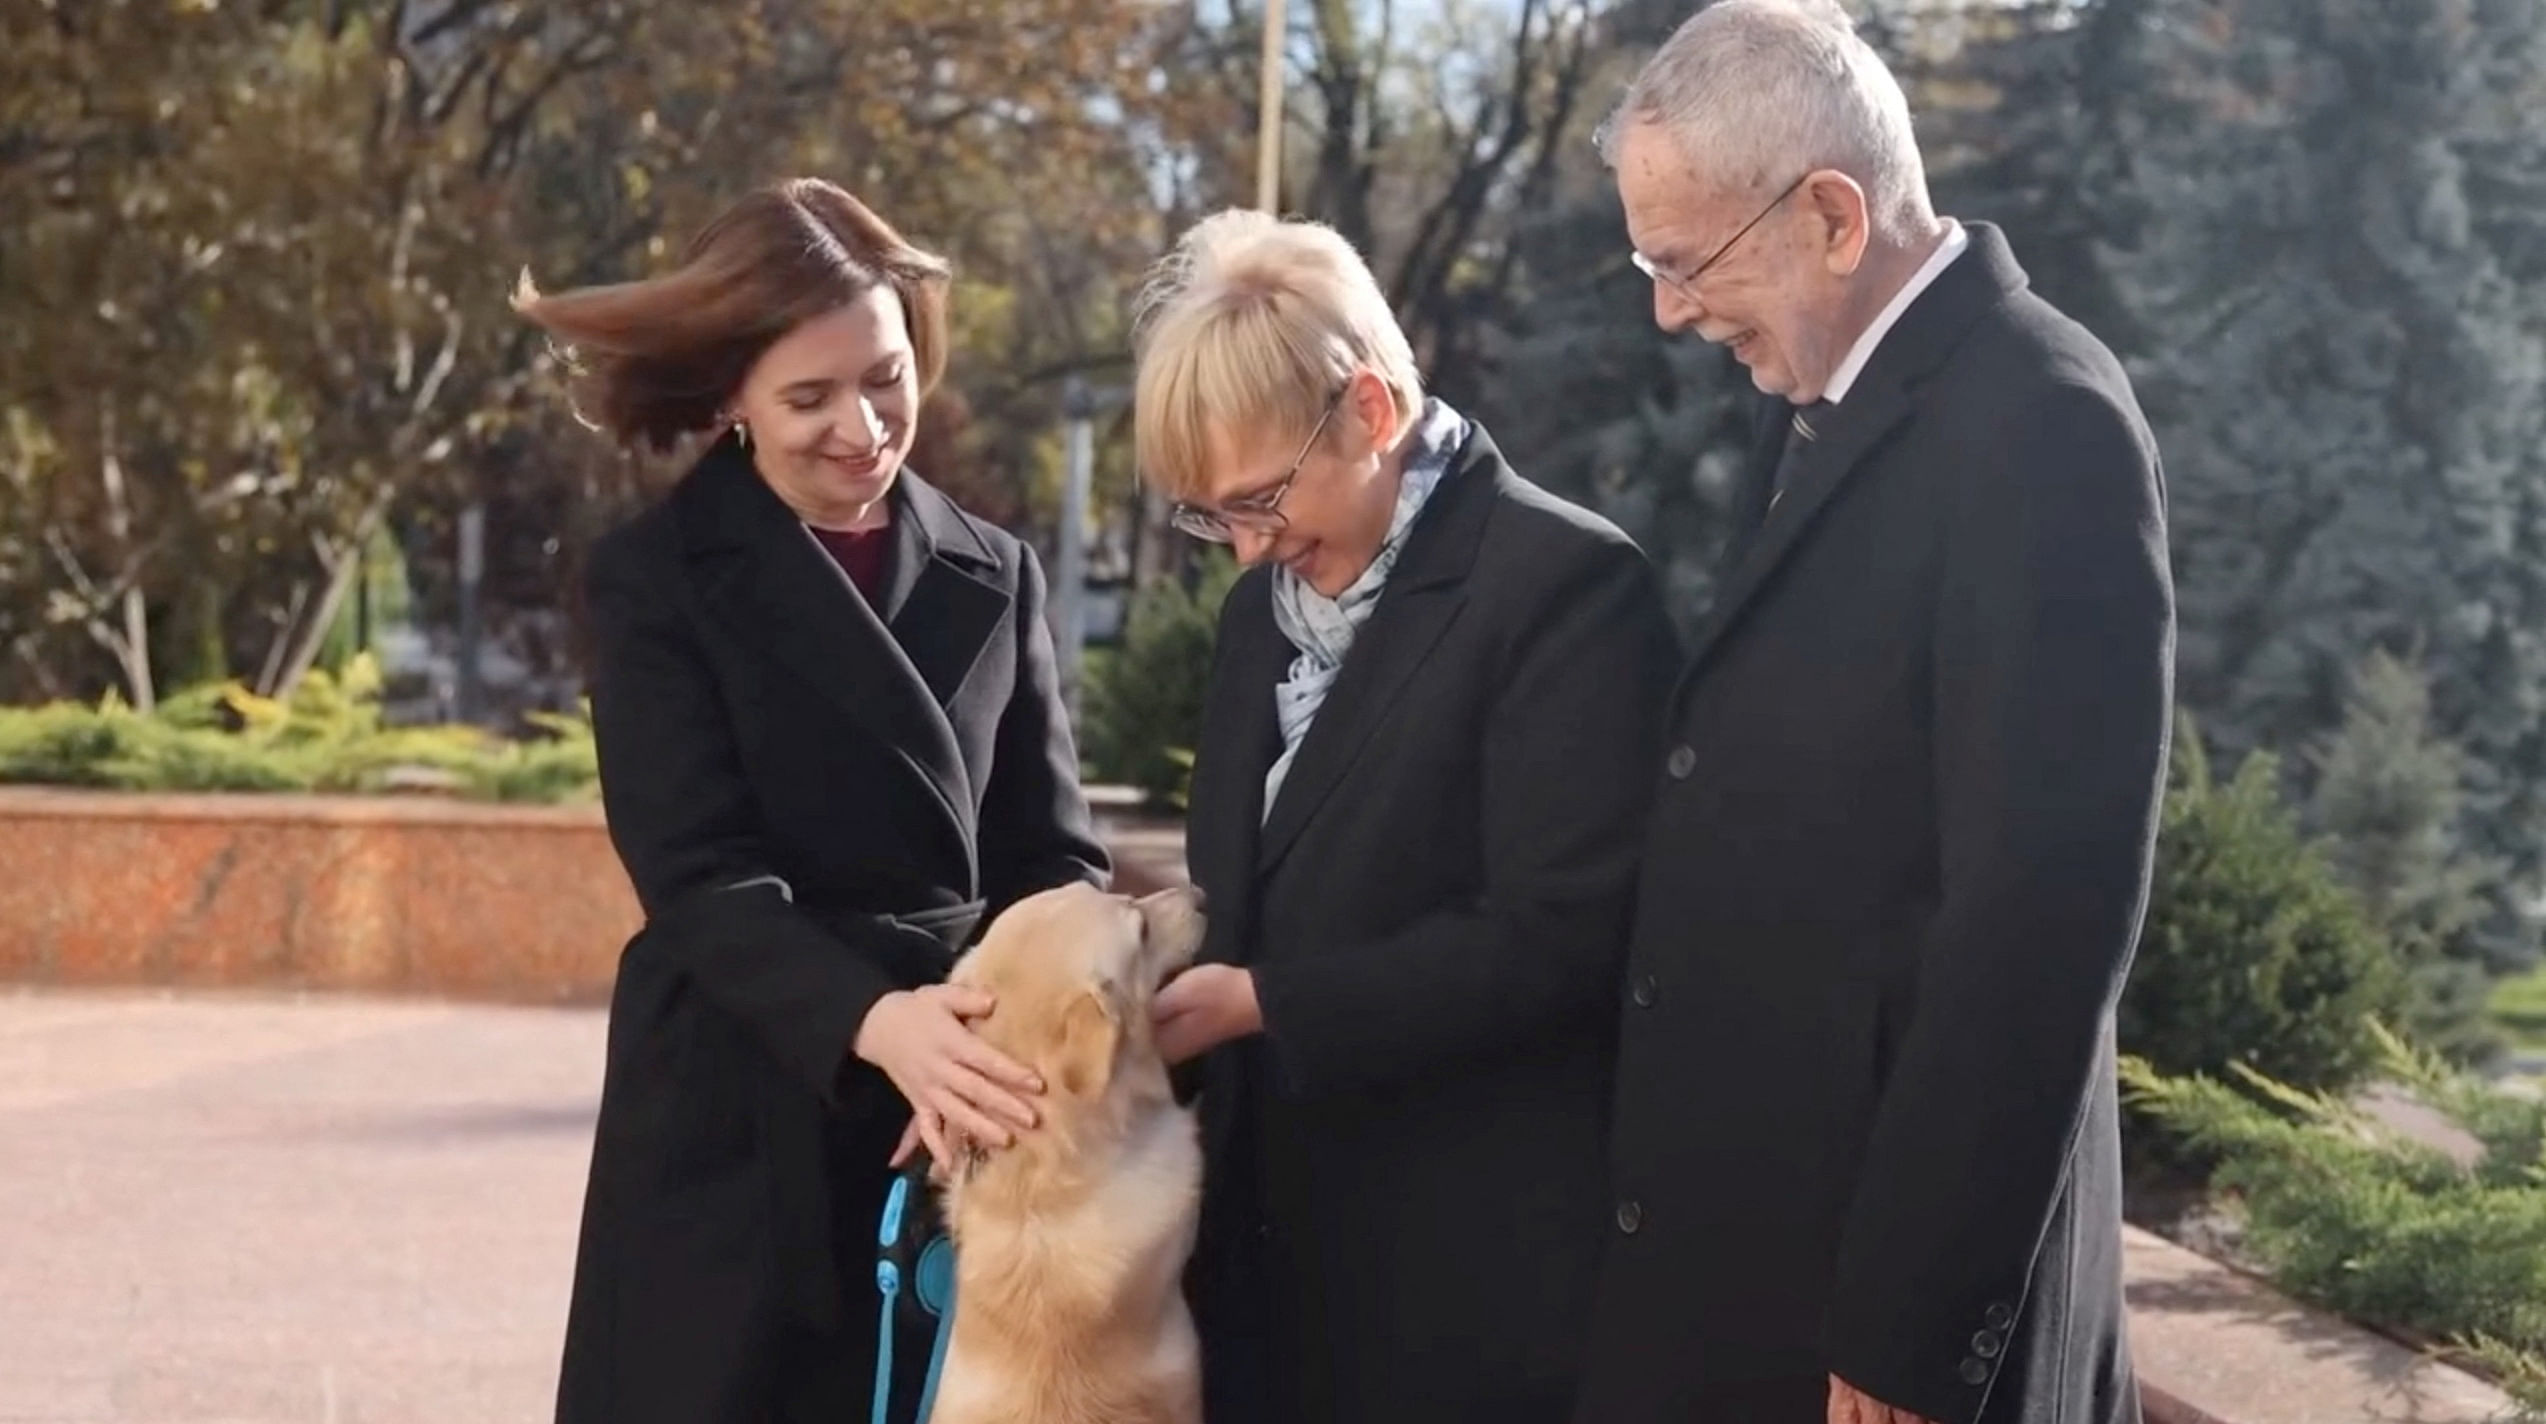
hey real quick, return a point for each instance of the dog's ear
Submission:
(1091, 1033)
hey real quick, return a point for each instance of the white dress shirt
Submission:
(1863, 351)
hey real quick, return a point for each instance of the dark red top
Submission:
(861, 556)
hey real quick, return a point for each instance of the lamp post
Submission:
(1268, 112)
(1080, 404)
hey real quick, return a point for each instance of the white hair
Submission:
(1756, 93)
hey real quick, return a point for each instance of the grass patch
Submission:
(2519, 1006)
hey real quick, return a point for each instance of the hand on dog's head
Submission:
(1072, 972)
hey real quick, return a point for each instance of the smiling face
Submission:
(1779, 293)
(1340, 497)
(832, 407)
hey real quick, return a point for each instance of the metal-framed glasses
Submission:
(1685, 283)
(1259, 512)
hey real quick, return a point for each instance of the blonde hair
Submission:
(1249, 327)
(657, 359)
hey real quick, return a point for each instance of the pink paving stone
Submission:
(2236, 1351)
(277, 1209)
(269, 1210)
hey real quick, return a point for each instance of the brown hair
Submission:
(658, 359)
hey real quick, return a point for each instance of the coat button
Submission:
(1986, 1344)
(1683, 761)
(1975, 1371)
(1630, 1217)
(1998, 1317)
(1646, 992)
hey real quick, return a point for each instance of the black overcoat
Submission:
(1405, 1190)
(817, 802)
(1866, 1112)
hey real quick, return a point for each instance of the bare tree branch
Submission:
(342, 562)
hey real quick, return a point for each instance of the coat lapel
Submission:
(1228, 782)
(940, 602)
(1849, 433)
(773, 587)
(1424, 594)
(1882, 398)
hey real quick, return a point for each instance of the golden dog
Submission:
(1070, 1246)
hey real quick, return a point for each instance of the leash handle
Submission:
(888, 1279)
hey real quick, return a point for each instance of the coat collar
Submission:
(1927, 334)
(1424, 594)
(894, 670)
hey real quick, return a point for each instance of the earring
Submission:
(742, 432)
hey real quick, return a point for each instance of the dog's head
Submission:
(1072, 972)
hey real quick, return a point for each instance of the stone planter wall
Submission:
(383, 894)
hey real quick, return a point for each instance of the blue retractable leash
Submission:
(915, 1270)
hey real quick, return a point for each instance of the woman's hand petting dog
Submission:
(1204, 1007)
(1850, 1405)
(958, 1086)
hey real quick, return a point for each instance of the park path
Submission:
(262, 1209)
(223, 1209)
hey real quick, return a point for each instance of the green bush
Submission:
(2389, 800)
(2519, 1006)
(2344, 1210)
(1143, 704)
(2253, 952)
(327, 737)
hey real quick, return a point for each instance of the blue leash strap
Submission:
(937, 1268)
(888, 1280)
(932, 1285)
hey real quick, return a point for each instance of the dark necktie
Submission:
(1802, 428)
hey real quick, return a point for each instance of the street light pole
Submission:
(1268, 113)
(1069, 572)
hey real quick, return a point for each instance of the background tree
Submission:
(2343, 347)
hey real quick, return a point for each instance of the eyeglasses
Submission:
(1686, 283)
(1259, 512)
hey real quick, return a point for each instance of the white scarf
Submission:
(1323, 628)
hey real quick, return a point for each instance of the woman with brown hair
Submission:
(831, 746)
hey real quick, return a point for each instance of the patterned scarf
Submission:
(1323, 628)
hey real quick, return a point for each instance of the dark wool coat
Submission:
(817, 803)
(1865, 1113)
(1406, 1183)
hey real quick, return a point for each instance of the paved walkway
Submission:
(263, 1210)
(220, 1210)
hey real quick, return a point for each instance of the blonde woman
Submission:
(1432, 723)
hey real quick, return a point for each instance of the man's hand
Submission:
(1850, 1405)
(1204, 1007)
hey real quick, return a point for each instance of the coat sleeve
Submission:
(2052, 672)
(1567, 770)
(682, 819)
(1036, 830)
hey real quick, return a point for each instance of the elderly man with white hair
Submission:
(1865, 1161)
